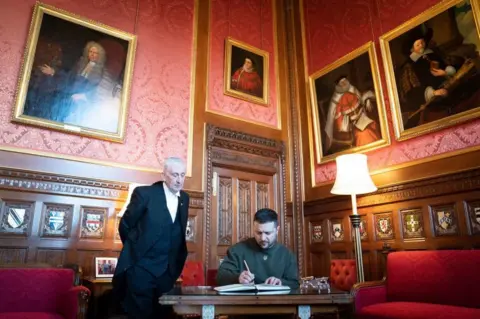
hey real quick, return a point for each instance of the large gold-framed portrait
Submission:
(432, 67)
(246, 72)
(348, 112)
(75, 76)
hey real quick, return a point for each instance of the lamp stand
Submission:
(355, 220)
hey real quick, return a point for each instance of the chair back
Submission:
(212, 277)
(343, 273)
(193, 273)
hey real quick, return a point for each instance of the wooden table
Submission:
(99, 299)
(207, 302)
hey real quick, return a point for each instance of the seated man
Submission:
(260, 259)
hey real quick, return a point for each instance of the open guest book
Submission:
(250, 287)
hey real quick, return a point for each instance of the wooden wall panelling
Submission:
(57, 219)
(429, 214)
(244, 173)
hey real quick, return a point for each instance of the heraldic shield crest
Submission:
(317, 233)
(445, 220)
(412, 223)
(473, 216)
(56, 220)
(93, 222)
(384, 226)
(337, 230)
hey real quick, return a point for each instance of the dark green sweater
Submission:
(277, 261)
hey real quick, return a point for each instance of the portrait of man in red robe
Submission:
(246, 72)
(349, 114)
(246, 79)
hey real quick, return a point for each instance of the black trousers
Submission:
(142, 293)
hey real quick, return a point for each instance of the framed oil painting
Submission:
(76, 75)
(348, 112)
(246, 72)
(432, 65)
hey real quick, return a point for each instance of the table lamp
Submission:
(352, 179)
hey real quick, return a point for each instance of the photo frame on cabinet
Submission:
(432, 67)
(348, 111)
(75, 76)
(105, 267)
(246, 72)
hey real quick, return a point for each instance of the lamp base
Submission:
(356, 220)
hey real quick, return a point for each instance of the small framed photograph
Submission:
(105, 266)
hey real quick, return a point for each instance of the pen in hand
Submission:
(246, 277)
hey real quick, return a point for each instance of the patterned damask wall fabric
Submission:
(331, 33)
(250, 22)
(158, 118)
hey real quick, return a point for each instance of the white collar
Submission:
(415, 56)
(165, 187)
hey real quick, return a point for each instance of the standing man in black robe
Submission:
(154, 251)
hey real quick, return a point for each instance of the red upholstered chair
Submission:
(343, 273)
(212, 277)
(192, 274)
(41, 292)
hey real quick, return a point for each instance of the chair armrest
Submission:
(369, 293)
(75, 302)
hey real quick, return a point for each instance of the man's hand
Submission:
(440, 92)
(246, 277)
(438, 72)
(273, 281)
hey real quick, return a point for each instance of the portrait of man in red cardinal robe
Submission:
(348, 109)
(246, 79)
(246, 72)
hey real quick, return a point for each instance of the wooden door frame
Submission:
(241, 151)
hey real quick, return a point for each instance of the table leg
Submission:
(208, 311)
(304, 312)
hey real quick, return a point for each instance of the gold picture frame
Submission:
(364, 128)
(429, 85)
(245, 61)
(75, 76)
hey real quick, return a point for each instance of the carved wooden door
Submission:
(236, 196)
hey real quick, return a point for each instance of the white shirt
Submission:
(172, 201)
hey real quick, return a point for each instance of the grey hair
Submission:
(101, 51)
(171, 160)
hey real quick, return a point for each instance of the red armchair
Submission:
(343, 273)
(439, 284)
(193, 274)
(212, 277)
(41, 293)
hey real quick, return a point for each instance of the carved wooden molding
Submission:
(40, 182)
(226, 146)
(448, 184)
(58, 184)
(295, 80)
(197, 199)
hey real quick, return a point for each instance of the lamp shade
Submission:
(352, 175)
(131, 187)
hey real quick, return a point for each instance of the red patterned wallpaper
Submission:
(331, 33)
(158, 118)
(251, 22)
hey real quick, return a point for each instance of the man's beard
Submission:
(340, 89)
